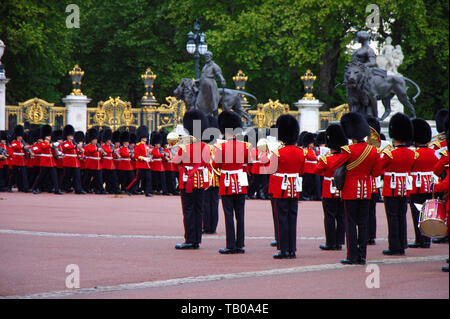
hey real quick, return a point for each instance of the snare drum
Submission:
(433, 219)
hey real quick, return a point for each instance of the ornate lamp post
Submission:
(148, 78)
(196, 45)
(76, 74)
(308, 82)
(240, 79)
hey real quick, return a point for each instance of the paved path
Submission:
(124, 248)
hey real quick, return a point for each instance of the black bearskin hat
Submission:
(300, 138)
(156, 138)
(374, 123)
(35, 135)
(401, 128)
(18, 130)
(46, 130)
(68, 130)
(441, 118)
(116, 137)
(79, 136)
(308, 138)
(288, 129)
(124, 137)
(91, 134)
(4, 135)
(133, 138)
(190, 117)
(335, 137)
(355, 126)
(422, 131)
(320, 138)
(229, 120)
(142, 132)
(57, 135)
(106, 135)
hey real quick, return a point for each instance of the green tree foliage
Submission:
(274, 42)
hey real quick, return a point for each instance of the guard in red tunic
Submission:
(93, 165)
(47, 161)
(71, 163)
(4, 161)
(193, 158)
(397, 182)
(18, 162)
(125, 168)
(286, 167)
(170, 169)
(34, 155)
(229, 158)
(362, 162)
(439, 142)
(333, 206)
(143, 159)
(309, 179)
(422, 177)
(109, 172)
(157, 164)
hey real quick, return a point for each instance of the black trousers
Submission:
(259, 185)
(373, 217)
(396, 208)
(111, 181)
(286, 213)
(171, 179)
(125, 178)
(274, 217)
(93, 180)
(357, 216)
(334, 221)
(20, 178)
(4, 177)
(309, 186)
(192, 205)
(144, 177)
(415, 213)
(43, 174)
(159, 181)
(234, 207)
(71, 178)
(211, 209)
(33, 173)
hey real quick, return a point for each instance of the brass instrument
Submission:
(374, 138)
(173, 138)
(269, 145)
(440, 137)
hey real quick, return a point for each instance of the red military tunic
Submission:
(230, 158)
(17, 153)
(46, 155)
(193, 162)
(92, 157)
(36, 159)
(323, 168)
(70, 152)
(125, 159)
(142, 151)
(4, 161)
(169, 165)
(422, 170)
(397, 165)
(107, 158)
(365, 163)
(285, 182)
(443, 187)
(157, 164)
(310, 160)
(439, 167)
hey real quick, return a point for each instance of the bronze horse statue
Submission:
(188, 90)
(365, 86)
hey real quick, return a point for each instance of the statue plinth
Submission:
(3, 81)
(77, 111)
(308, 114)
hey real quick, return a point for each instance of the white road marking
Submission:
(55, 234)
(198, 279)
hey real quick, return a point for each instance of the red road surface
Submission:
(124, 246)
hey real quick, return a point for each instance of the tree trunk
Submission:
(328, 70)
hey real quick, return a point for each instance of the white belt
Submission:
(422, 173)
(157, 159)
(94, 158)
(232, 172)
(256, 162)
(396, 174)
(191, 167)
(46, 155)
(124, 159)
(71, 155)
(109, 158)
(18, 153)
(286, 175)
(328, 178)
(312, 162)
